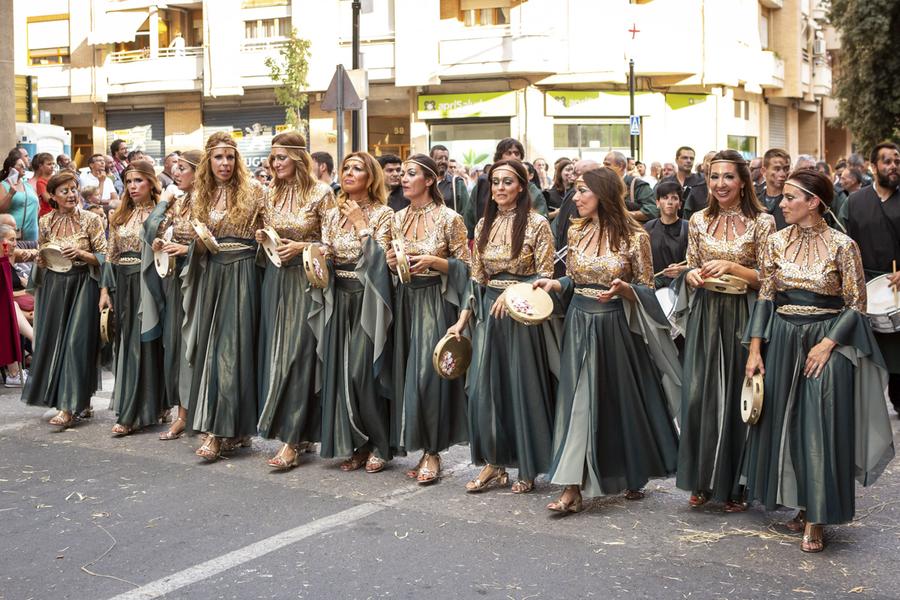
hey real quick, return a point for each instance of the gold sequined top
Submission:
(297, 217)
(817, 259)
(536, 257)
(592, 261)
(130, 236)
(221, 227)
(745, 249)
(343, 246)
(81, 229)
(178, 216)
(434, 230)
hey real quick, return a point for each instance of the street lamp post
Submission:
(354, 115)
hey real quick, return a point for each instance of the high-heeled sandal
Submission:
(488, 475)
(427, 475)
(522, 486)
(798, 523)
(573, 506)
(354, 462)
(698, 499)
(414, 473)
(211, 449)
(60, 420)
(280, 462)
(120, 430)
(733, 506)
(634, 494)
(813, 538)
(174, 432)
(375, 465)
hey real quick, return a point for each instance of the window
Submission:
(744, 144)
(262, 29)
(742, 109)
(48, 40)
(586, 139)
(764, 28)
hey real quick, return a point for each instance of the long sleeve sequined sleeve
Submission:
(328, 230)
(543, 250)
(765, 226)
(853, 280)
(642, 260)
(694, 260)
(382, 231)
(477, 268)
(325, 201)
(456, 239)
(767, 269)
(97, 236)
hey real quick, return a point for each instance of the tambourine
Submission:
(270, 243)
(452, 356)
(752, 399)
(726, 284)
(205, 237)
(402, 260)
(56, 261)
(164, 263)
(526, 304)
(315, 266)
(107, 325)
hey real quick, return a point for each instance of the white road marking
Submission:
(214, 566)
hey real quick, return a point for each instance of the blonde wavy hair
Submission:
(242, 195)
(375, 186)
(123, 212)
(294, 147)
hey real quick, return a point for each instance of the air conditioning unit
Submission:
(819, 47)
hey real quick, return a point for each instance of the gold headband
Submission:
(223, 145)
(136, 169)
(726, 160)
(193, 164)
(511, 170)
(287, 146)
(800, 187)
(350, 159)
(424, 166)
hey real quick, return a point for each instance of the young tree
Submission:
(290, 71)
(866, 87)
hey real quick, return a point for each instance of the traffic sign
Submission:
(341, 95)
(634, 124)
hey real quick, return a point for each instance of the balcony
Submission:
(771, 70)
(171, 70)
(822, 79)
(493, 50)
(52, 81)
(253, 56)
(773, 4)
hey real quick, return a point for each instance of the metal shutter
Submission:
(141, 129)
(777, 127)
(253, 127)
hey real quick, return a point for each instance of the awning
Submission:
(117, 27)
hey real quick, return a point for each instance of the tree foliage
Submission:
(867, 85)
(290, 72)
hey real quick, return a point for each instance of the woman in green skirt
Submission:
(138, 395)
(67, 325)
(356, 383)
(288, 366)
(168, 229)
(824, 420)
(428, 413)
(619, 372)
(727, 237)
(221, 301)
(510, 382)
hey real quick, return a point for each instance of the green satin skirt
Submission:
(175, 369)
(613, 428)
(223, 376)
(428, 413)
(511, 392)
(138, 395)
(713, 434)
(290, 411)
(355, 410)
(64, 364)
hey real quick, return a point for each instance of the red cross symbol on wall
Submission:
(634, 30)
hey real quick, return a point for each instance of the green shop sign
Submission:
(463, 106)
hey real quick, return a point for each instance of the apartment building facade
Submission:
(746, 74)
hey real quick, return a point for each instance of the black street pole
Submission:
(631, 98)
(354, 115)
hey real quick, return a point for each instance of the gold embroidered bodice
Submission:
(590, 260)
(730, 236)
(81, 229)
(221, 227)
(434, 230)
(817, 259)
(178, 216)
(299, 217)
(536, 257)
(342, 245)
(130, 236)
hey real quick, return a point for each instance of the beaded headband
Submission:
(511, 170)
(354, 159)
(424, 166)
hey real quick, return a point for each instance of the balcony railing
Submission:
(128, 56)
(262, 45)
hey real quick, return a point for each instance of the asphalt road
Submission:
(84, 516)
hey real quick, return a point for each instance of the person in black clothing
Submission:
(563, 180)
(452, 187)
(775, 168)
(323, 170)
(392, 167)
(668, 235)
(873, 221)
(639, 199)
(692, 185)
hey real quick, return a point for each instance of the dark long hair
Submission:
(750, 205)
(436, 196)
(523, 207)
(614, 218)
(558, 184)
(10, 162)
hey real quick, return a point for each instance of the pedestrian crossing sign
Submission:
(634, 124)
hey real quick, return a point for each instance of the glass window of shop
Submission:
(471, 142)
(744, 144)
(590, 138)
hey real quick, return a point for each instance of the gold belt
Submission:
(427, 273)
(796, 309)
(345, 274)
(129, 260)
(587, 292)
(502, 284)
(233, 246)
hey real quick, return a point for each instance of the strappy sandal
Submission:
(735, 507)
(813, 538)
(414, 473)
(522, 486)
(576, 505)
(211, 449)
(698, 499)
(87, 413)
(798, 523)
(233, 443)
(173, 433)
(375, 465)
(120, 430)
(489, 474)
(280, 462)
(427, 475)
(634, 494)
(354, 462)
(60, 421)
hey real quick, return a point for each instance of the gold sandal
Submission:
(571, 507)
(355, 462)
(414, 473)
(120, 430)
(279, 462)
(522, 486)
(375, 465)
(173, 433)
(813, 538)
(60, 421)
(488, 475)
(211, 449)
(427, 475)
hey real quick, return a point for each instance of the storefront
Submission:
(142, 130)
(589, 124)
(252, 127)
